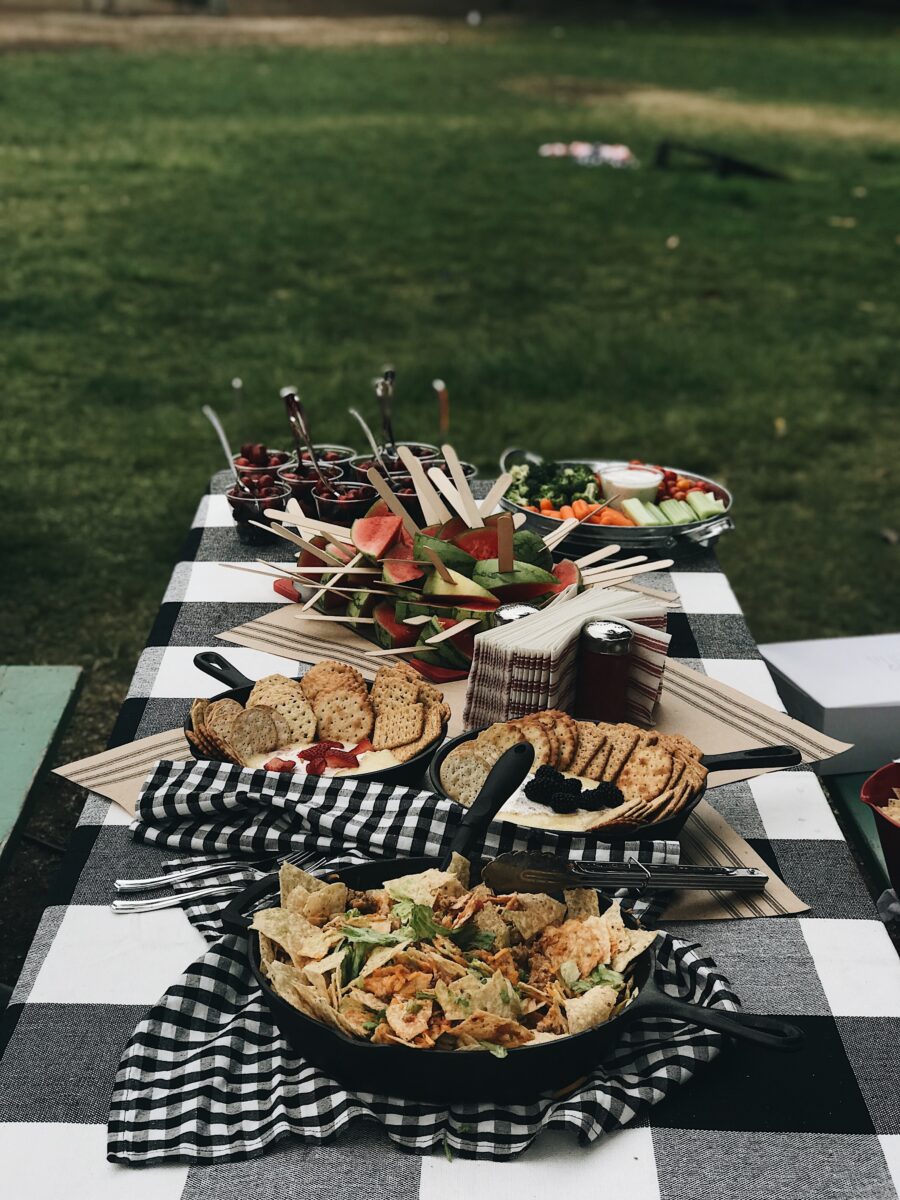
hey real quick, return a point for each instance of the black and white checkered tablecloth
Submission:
(752, 1126)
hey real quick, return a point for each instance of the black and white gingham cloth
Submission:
(209, 808)
(822, 1124)
(207, 1076)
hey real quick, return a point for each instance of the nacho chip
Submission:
(290, 877)
(581, 902)
(593, 1008)
(422, 887)
(537, 912)
(638, 942)
(487, 1027)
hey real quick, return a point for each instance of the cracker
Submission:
(677, 741)
(590, 739)
(463, 773)
(597, 765)
(220, 716)
(432, 730)
(623, 740)
(287, 698)
(345, 716)
(502, 734)
(646, 773)
(328, 675)
(254, 732)
(398, 724)
(198, 712)
(566, 730)
(545, 750)
(393, 688)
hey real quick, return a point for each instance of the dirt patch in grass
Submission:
(714, 110)
(63, 31)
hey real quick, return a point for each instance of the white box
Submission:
(848, 688)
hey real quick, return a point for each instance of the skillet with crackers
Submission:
(611, 781)
(328, 722)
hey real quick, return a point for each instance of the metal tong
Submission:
(520, 871)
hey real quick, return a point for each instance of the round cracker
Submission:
(463, 773)
(328, 675)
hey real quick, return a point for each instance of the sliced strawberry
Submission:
(319, 750)
(285, 588)
(340, 759)
(361, 747)
(279, 764)
(316, 766)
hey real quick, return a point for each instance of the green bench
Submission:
(34, 704)
(859, 821)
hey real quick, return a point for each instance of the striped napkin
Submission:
(531, 664)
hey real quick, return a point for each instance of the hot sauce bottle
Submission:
(604, 668)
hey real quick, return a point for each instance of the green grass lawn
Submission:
(286, 215)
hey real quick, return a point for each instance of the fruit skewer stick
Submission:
(282, 573)
(604, 569)
(433, 508)
(505, 531)
(443, 484)
(458, 475)
(335, 617)
(614, 577)
(213, 418)
(552, 540)
(295, 540)
(489, 503)
(370, 438)
(432, 641)
(340, 532)
(588, 560)
(339, 574)
(438, 565)
(380, 484)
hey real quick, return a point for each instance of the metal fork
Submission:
(219, 889)
(297, 857)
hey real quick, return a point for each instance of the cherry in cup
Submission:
(345, 503)
(256, 460)
(326, 452)
(302, 478)
(251, 505)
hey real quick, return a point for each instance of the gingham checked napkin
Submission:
(209, 808)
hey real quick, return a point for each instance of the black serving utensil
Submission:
(507, 774)
(520, 871)
(384, 394)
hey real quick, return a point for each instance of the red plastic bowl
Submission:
(876, 791)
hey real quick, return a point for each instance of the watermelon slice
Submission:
(398, 566)
(379, 509)
(451, 529)
(285, 588)
(373, 535)
(480, 543)
(435, 673)
(389, 632)
(567, 573)
(514, 593)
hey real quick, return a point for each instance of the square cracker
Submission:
(590, 739)
(394, 688)
(623, 741)
(432, 729)
(344, 716)
(329, 675)
(398, 724)
(646, 773)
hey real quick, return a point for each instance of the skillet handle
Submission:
(771, 1032)
(211, 663)
(762, 756)
(233, 917)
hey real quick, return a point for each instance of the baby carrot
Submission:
(546, 502)
(580, 509)
(565, 511)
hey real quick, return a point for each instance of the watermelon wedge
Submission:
(373, 535)
(480, 543)
(286, 589)
(451, 529)
(389, 632)
(567, 573)
(435, 673)
(398, 566)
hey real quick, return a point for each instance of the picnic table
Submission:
(820, 1123)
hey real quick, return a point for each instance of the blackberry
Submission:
(604, 795)
(565, 802)
(545, 784)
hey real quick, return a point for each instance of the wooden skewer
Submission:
(303, 521)
(552, 540)
(451, 632)
(422, 620)
(587, 560)
(458, 475)
(433, 507)
(330, 570)
(614, 566)
(398, 650)
(439, 565)
(338, 575)
(629, 573)
(505, 543)
(443, 484)
(489, 503)
(337, 617)
(380, 484)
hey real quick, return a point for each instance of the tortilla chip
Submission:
(331, 962)
(266, 953)
(639, 940)
(460, 867)
(486, 1027)
(537, 913)
(593, 1008)
(319, 905)
(581, 902)
(489, 920)
(380, 956)
(421, 888)
(291, 877)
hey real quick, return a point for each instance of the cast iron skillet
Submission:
(443, 1077)
(404, 774)
(765, 756)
